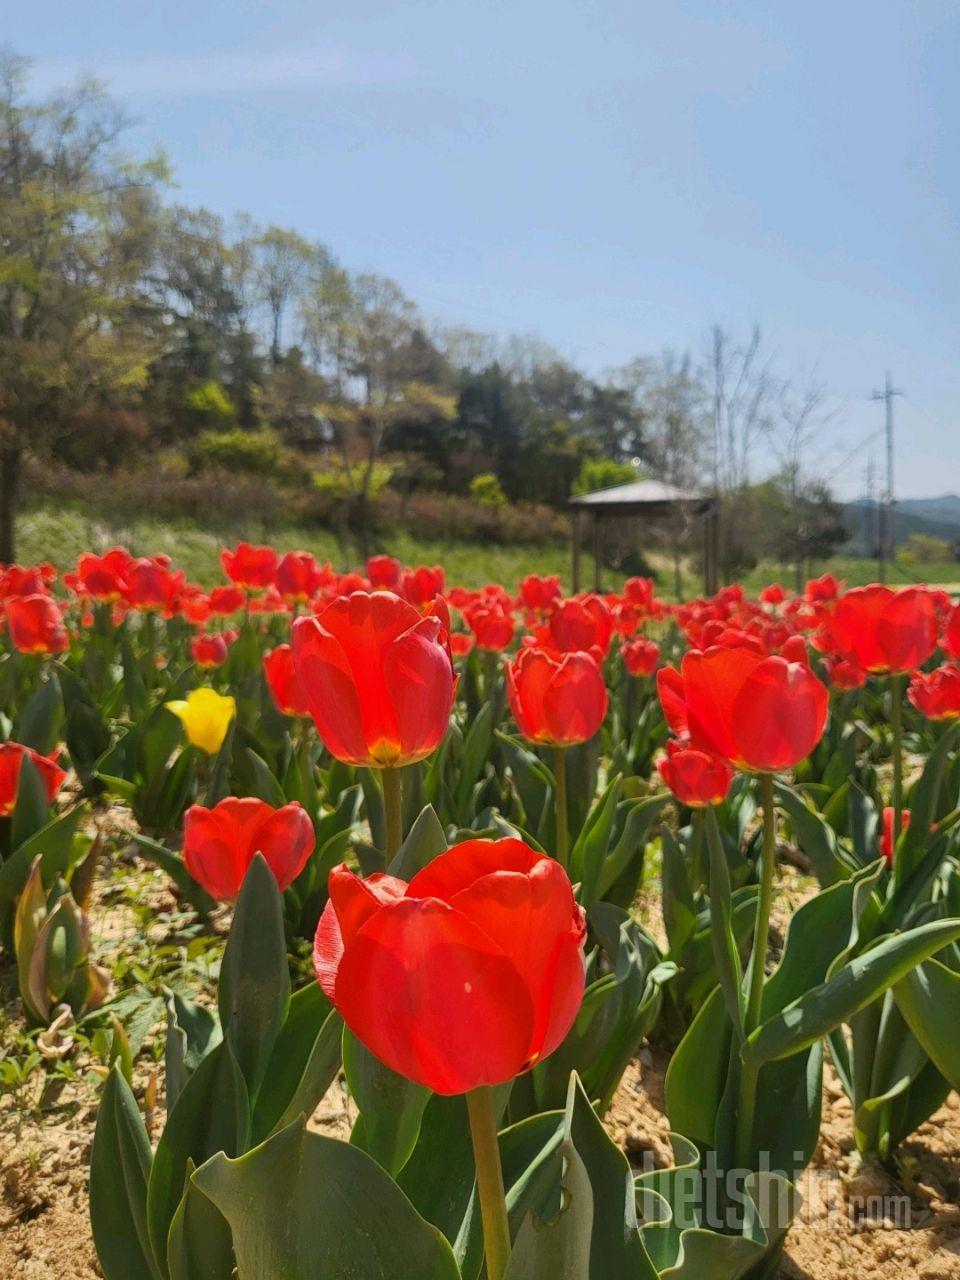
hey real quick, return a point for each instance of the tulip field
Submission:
(362, 925)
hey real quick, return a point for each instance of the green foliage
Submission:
(924, 549)
(239, 452)
(603, 473)
(487, 490)
(209, 402)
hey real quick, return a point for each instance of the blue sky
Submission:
(614, 176)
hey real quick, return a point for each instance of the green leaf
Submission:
(391, 1107)
(306, 1207)
(855, 984)
(558, 1249)
(304, 1062)
(254, 989)
(210, 1115)
(929, 999)
(32, 810)
(119, 1169)
(426, 841)
(192, 1031)
(476, 750)
(39, 723)
(816, 838)
(265, 785)
(697, 1074)
(679, 912)
(923, 806)
(725, 952)
(200, 1244)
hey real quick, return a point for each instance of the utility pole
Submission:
(870, 509)
(886, 527)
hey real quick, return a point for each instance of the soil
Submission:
(855, 1223)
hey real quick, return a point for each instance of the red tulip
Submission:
(466, 976)
(844, 674)
(822, 590)
(491, 625)
(641, 657)
(150, 584)
(101, 577)
(886, 837)
(211, 650)
(298, 576)
(421, 586)
(227, 600)
(774, 594)
(30, 580)
(951, 638)
(283, 682)
(539, 595)
(937, 694)
(460, 644)
(882, 630)
(696, 778)
(220, 843)
(195, 605)
(583, 624)
(378, 678)
(11, 761)
(248, 566)
(759, 713)
(36, 624)
(556, 699)
(384, 572)
(639, 592)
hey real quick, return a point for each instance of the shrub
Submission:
(486, 490)
(603, 473)
(925, 548)
(209, 402)
(252, 453)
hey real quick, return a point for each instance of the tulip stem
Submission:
(746, 1103)
(768, 861)
(560, 800)
(493, 1201)
(392, 811)
(896, 724)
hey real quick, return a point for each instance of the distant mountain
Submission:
(939, 517)
(946, 509)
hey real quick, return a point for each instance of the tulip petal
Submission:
(330, 691)
(575, 700)
(419, 675)
(431, 996)
(464, 863)
(286, 839)
(711, 682)
(519, 911)
(670, 690)
(351, 903)
(778, 715)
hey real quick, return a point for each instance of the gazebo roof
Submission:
(641, 497)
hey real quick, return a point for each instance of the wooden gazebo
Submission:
(647, 499)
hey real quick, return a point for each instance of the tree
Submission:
(678, 431)
(77, 229)
(370, 334)
(283, 263)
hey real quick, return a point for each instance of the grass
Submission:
(60, 536)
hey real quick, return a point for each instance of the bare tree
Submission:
(743, 398)
(678, 431)
(806, 415)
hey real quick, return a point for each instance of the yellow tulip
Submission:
(206, 717)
